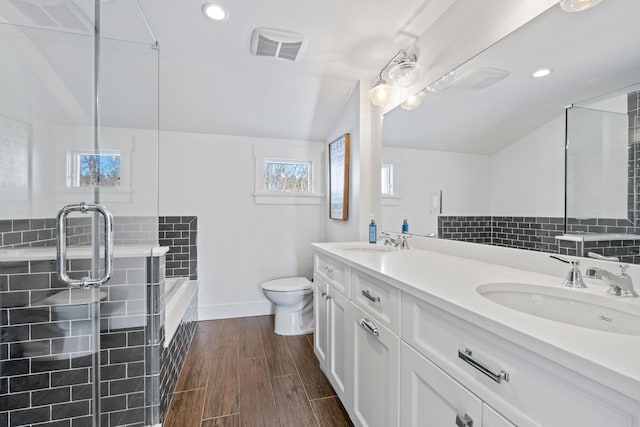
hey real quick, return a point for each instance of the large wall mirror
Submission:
(483, 158)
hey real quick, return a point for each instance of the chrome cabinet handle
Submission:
(464, 421)
(61, 245)
(467, 356)
(370, 297)
(369, 326)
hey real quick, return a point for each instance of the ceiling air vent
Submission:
(277, 44)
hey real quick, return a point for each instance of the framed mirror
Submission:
(483, 158)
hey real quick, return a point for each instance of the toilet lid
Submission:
(287, 284)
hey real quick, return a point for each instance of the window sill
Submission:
(287, 199)
(391, 200)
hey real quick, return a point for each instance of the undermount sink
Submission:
(371, 249)
(571, 306)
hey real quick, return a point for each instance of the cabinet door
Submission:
(320, 309)
(339, 345)
(431, 398)
(375, 372)
(490, 418)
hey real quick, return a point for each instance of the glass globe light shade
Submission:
(577, 5)
(381, 93)
(405, 73)
(413, 101)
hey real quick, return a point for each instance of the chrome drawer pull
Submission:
(464, 421)
(467, 356)
(370, 297)
(369, 326)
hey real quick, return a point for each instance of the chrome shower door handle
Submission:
(61, 244)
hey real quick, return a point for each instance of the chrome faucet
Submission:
(401, 240)
(619, 284)
(388, 240)
(404, 241)
(574, 277)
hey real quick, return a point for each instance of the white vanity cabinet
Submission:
(376, 353)
(431, 398)
(527, 389)
(332, 338)
(490, 418)
(397, 355)
(321, 317)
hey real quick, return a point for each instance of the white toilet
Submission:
(293, 300)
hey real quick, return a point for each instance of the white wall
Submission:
(597, 164)
(364, 124)
(240, 244)
(527, 177)
(465, 181)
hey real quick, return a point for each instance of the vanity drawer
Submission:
(333, 271)
(537, 391)
(380, 300)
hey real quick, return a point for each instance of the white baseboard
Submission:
(227, 311)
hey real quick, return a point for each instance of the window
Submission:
(285, 177)
(86, 169)
(288, 173)
(387, 180)
(389, 187)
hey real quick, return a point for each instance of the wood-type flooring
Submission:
(238, 372)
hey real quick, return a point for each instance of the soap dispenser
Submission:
(373, 230)
(405, 225)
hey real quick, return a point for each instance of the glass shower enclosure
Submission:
(79, 263)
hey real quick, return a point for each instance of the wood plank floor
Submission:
(238, 372)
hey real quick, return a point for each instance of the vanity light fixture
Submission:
(443, 83)
(381, 92)
(577, 5)
(215, 12)
(403, 71)
(413, 101)
(542, 72)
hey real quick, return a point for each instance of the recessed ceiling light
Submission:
(542, 72)
(215, 11)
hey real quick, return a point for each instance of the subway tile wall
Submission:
(531, 233)
(173, 356)
(180, 234)
(47, 347)
(127, 230)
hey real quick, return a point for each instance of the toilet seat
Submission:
(288, 284)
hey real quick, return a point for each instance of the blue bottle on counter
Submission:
(405, 226)
(373, 230)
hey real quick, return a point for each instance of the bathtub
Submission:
(178, 294)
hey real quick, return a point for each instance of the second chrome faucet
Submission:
(620, 284)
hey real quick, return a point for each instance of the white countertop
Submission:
(79, 252)
(450, 283)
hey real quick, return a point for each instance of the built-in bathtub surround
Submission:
(172, 357)
(41, 232)
(180, 235)
(46, 352)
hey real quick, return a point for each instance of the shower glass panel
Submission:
(601, 180)
(75, 355)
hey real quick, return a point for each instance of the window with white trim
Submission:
(387, 180)
(92, 169)
(388, 187)
(288, 173)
